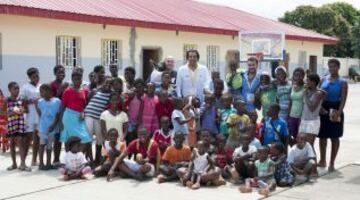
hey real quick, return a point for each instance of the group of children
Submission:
(142, 129)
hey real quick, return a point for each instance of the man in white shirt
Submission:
(192, 78)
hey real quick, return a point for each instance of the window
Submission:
(1, 65)
(188, 47)
(110, 52)
(212, 59)
(68, 51)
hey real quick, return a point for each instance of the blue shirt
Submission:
(333, 89)
(256, 143)
(49, 110)
(208, 119)
(269, 134)
(248, 90)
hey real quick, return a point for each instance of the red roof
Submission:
(182, 15)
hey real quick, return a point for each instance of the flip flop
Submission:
(24, 169)
(12, 167)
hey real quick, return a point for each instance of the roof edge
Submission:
(70, 16)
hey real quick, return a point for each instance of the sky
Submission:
(274, 9)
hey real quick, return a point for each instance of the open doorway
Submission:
(150, 55)
(313, 64)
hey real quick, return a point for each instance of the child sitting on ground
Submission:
(175, 157)
(264, 177)
(200, 164)
(223, 156)
(112, 148)
(301, 157)
(75, 163)
(284, 175)
(244, 157)
(163, 135)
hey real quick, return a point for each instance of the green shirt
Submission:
(224, 115)
(234, 81)
(267, 97)
(297, 102)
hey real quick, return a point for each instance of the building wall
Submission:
(30, 41)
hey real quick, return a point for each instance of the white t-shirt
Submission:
(31, 92)
(73, 161)
(179, 127)
(240, 153)
(116, 122)
(120, 146)
(297, 155)
(155, 77)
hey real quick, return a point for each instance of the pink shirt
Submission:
(134, 109)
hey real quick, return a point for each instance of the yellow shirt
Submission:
(240, 122)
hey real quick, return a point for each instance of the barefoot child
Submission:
(48, 108)
(16, 126)
(30, 93)
(111, 150)
(301, 157)
(264, 173)
(75, 163)
(284, 175)
(147, 158)
(175, 157)
(199, 165)
(244, 157)
(163, 135)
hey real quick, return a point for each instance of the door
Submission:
(149, 58)
(313, 64)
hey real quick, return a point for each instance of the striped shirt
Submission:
(97, 105)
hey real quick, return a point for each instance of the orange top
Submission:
(173, 155)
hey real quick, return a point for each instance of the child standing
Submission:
(113, 118)
(73, 105)
(275, 129)
(166, 84)
(58, 87)
(49, 111)
(135, 103)
(208, 115)
(225, 113)
(75, 163)
(234, 79)
(16, 127)
(149, 118)
(237, 123)
(215, 75)
(266, 94)
(30, 93)
(191, 112)
(165, 105)
(302, 157)
(163, 135)
(3, 123)
(296, 104)
(111, 150)
(178, 119)
(284, 175)
(283, 92)
(251, 131)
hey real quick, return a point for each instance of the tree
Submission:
(335, 19)
(355, 43)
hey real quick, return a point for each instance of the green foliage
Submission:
(337, 19)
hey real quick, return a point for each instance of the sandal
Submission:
(12, 167)
(25, 168)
